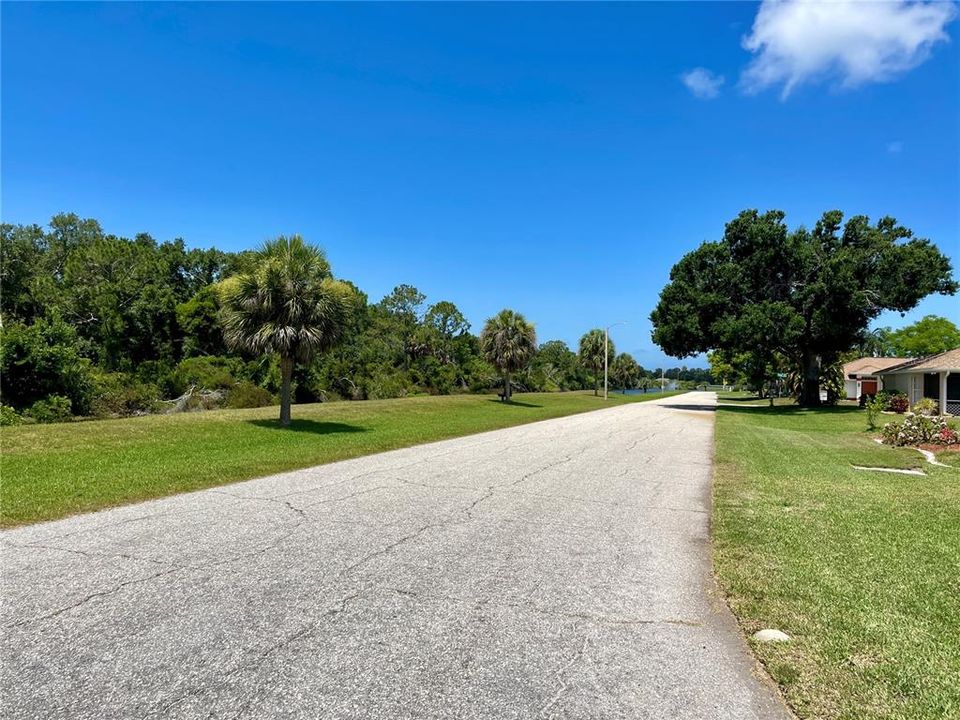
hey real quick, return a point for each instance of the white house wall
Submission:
(852, 388)
(897, 383)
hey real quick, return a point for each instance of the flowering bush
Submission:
(899, 403)
(920, 429)
(947, 436)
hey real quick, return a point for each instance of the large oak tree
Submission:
(806, 294)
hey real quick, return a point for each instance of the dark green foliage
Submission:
(21, 259)
(807, 295)
(52, 409)
(44, 359)
(121, 394)
(122, 326)
(199, 321)
(555, 367)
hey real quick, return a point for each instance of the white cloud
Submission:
(852, 42)
(703, 83)
(895, 147)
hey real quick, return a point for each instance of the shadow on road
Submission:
(690, 406)
(309, 426)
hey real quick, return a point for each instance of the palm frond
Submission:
(288, 304)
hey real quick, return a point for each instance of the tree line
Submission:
(94, 324)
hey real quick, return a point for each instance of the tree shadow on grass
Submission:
(516, 403)
(309, 426)
(791, 409)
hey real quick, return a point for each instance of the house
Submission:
(936, 377)
(860, 377)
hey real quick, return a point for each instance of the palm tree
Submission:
(508, 342)
(288, 304)
(625, 371)
(591, 354)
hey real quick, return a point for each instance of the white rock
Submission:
(771, 635)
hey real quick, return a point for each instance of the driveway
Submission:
(558, 569)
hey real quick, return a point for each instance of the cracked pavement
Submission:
(557, 569)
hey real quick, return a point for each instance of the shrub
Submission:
(9, 416)
(925, 406)
(884, 397)
(121, 394)
(55, 408)
(157, 373)
(206, 372)
(875, 405)
(898, 403)
(248, 395)
(917, 430)
(388, 384)
(947, 436)
(41, 360)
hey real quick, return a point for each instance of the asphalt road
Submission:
(559, 569)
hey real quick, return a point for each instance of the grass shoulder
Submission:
(859, 568)
(50, 471)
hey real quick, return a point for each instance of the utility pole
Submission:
(606, 342)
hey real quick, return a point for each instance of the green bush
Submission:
(43, 359)
(884, 397)
(384, 385)
(206, 372)
(875, 405)
(247, 395)
(56, 408)
(119, 394)
(9, 416)
(157, 373)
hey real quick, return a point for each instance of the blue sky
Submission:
(552, 158)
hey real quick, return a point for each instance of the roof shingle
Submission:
(949, 360)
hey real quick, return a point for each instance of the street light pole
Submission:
(606, 339)
(606, 342)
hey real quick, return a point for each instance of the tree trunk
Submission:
(810, 394)
(286, 372)
(596, 386)
(507, 390)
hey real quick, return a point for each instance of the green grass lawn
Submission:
(49, 471)
(861, 569)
